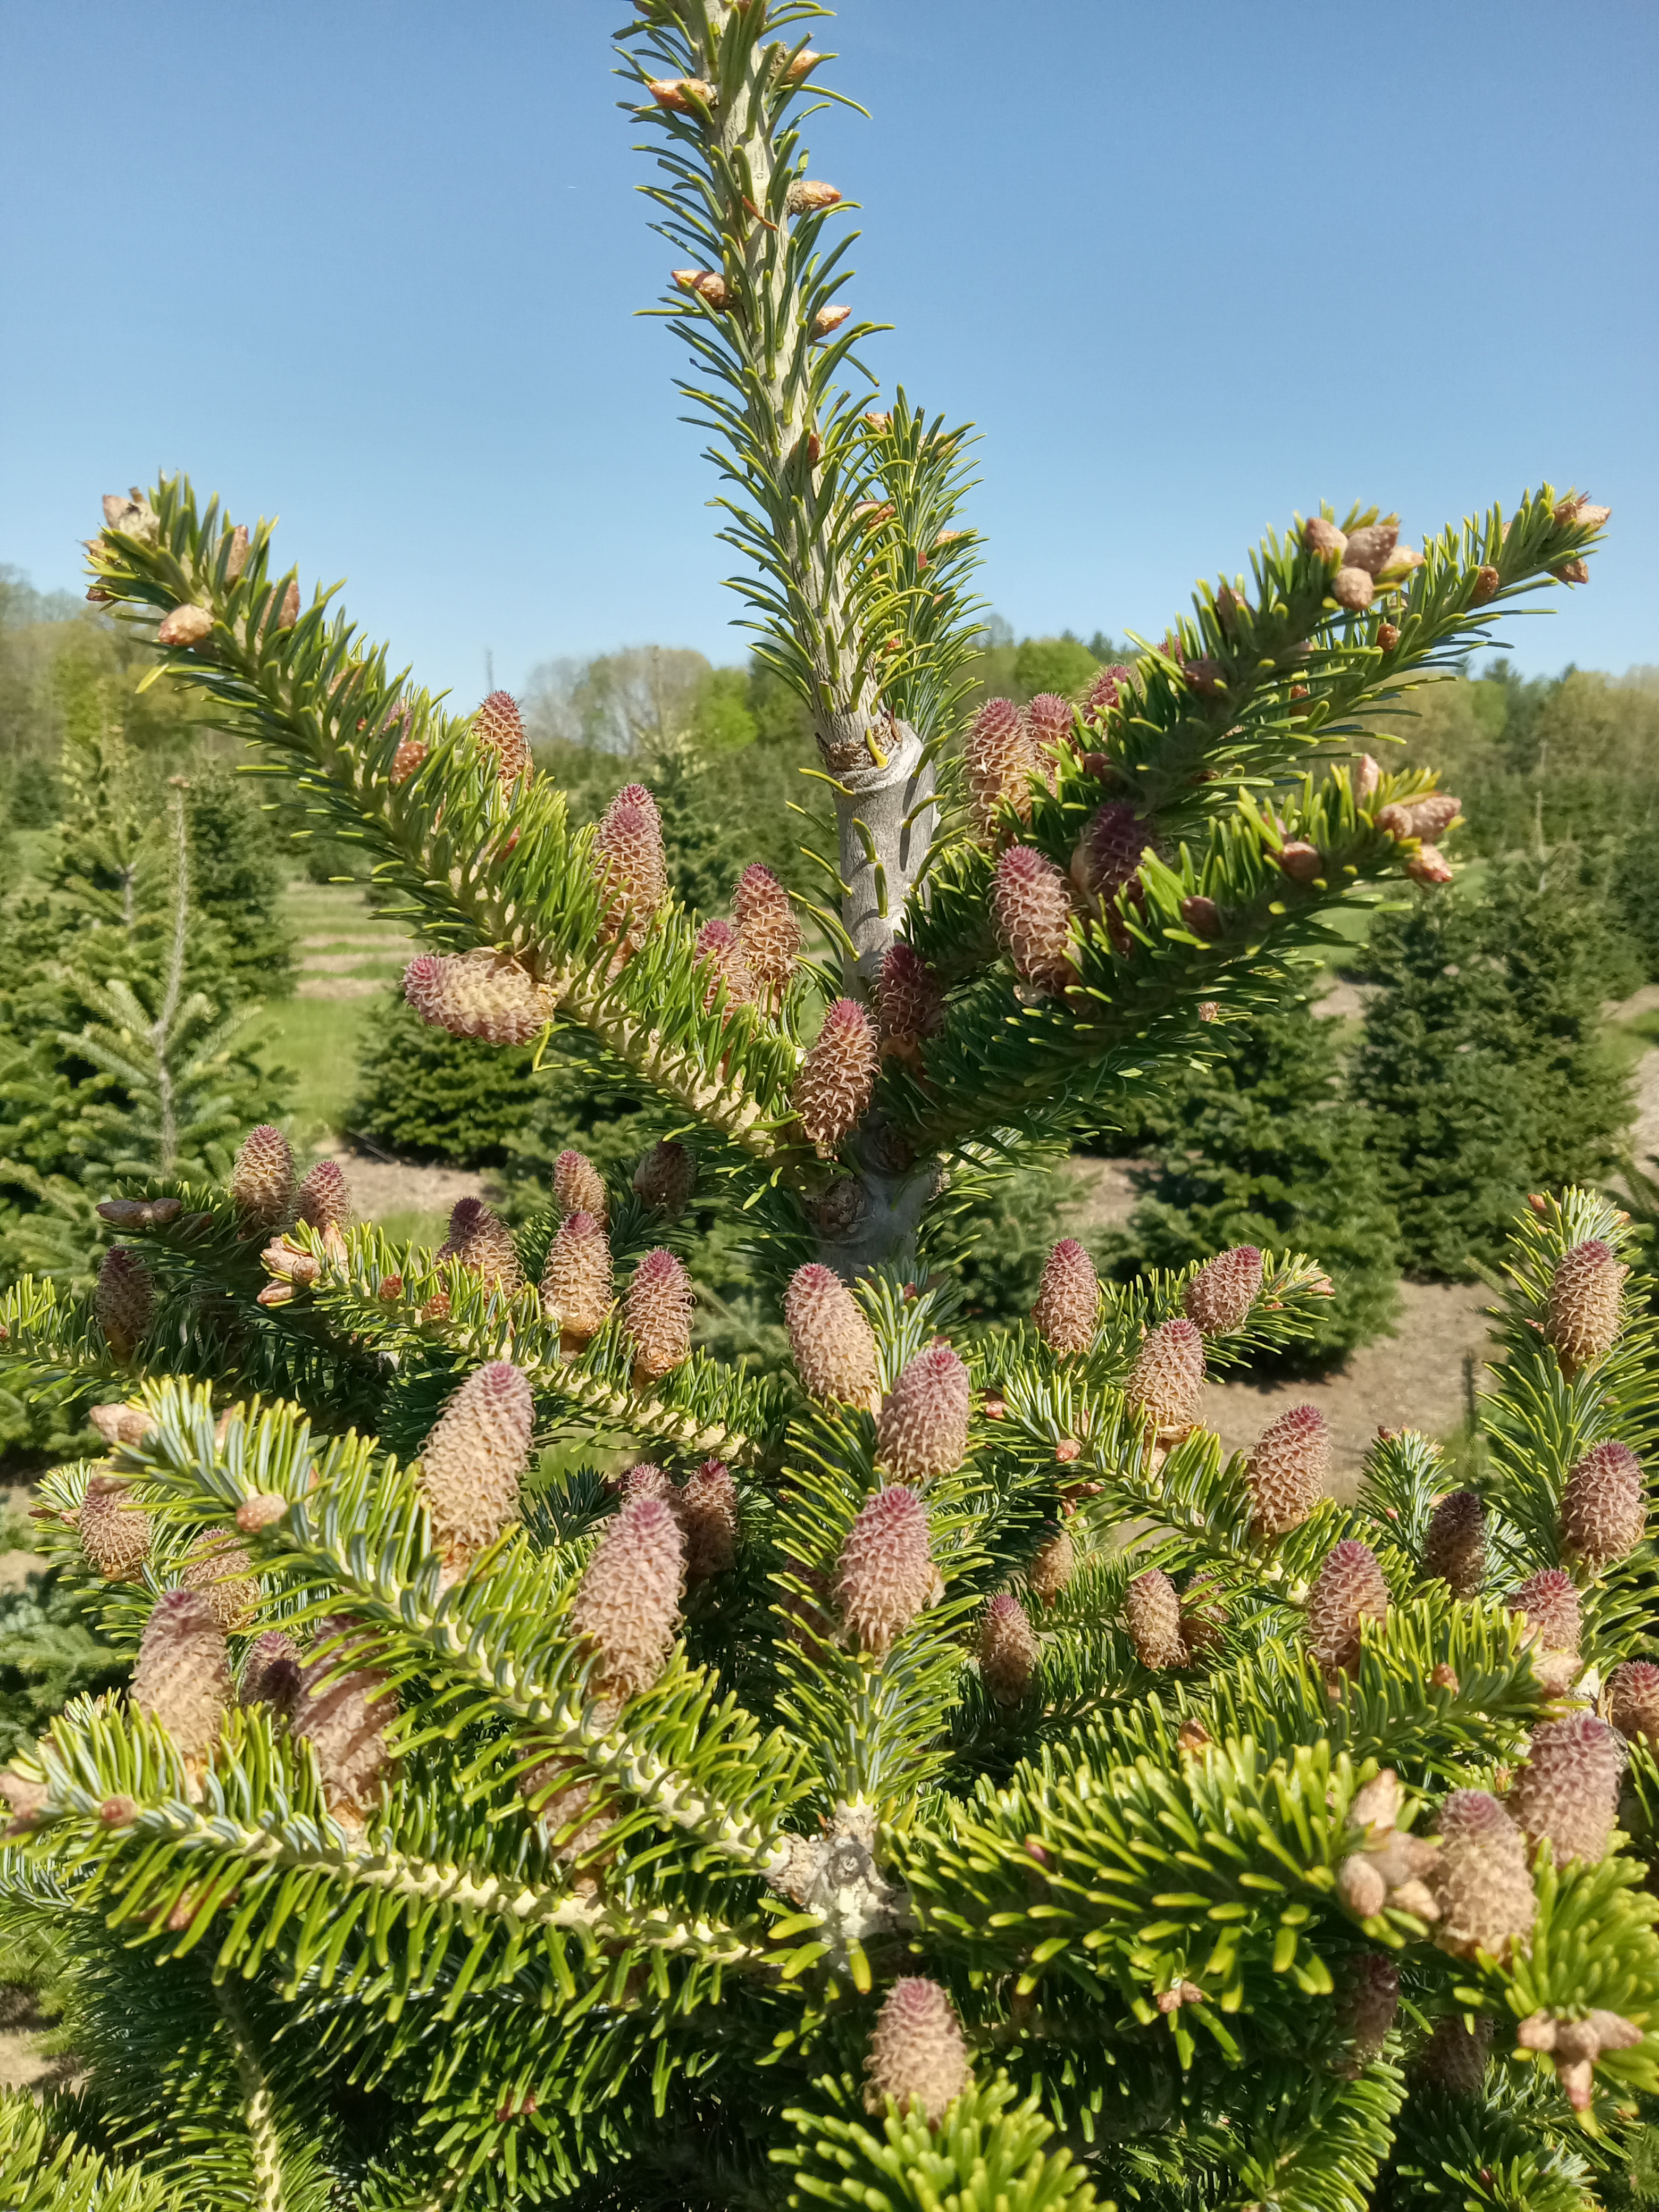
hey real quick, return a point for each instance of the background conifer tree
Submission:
(934, 1772)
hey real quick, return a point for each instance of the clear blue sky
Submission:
(373, 264)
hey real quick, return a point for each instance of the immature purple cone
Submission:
(1221, 1294)
(115, 1535)
(1481, 1880)
(1582, 1320)
(576, 1285)
(1367, 2008)
(262, 1180)
(343, 1712)
(916, 2052)
(1049, 719)
(482, 1241)
(1106, 692)
(922, 1430)
(1052, 1567)
(666, 1178)
(324, 1199)
(1167, 1380)
(1568, 1790)
(271, 1672)
(472, 1461)
(630, 863)
(657, 1315)
(1289, 1469)
(719, 948)
(1151, 1615)
(1108, 855)
(1633, 1699)
(1007, 1650)
(1032, 909)
(838, 1074)
(833, 1345)
(1347, 1591)
(885, 1576)
(578, 1186)
(1604, 1506)
(1455, 2059)
(767, 928)
(1000, 759)
(123, 1300)
(1454, 1548)
(645, 1478)
(1549, 1605)
(499, 724)
(708, 1509)
(222, 1570)
(909, 1000)
(480, 994)
(182, 1676)
(1068, 1299)
(628, 1604)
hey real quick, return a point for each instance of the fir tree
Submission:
(1262, 1144)
(829, 1810)
(1483, 1060)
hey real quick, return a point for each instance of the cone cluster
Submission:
(1166, 1383)
(576, 1289)
(1289, 1470)
(885, 1574)
(481, 994)
(838, 1075)
(1220, 1295)
(1454, 1547)
(1031, 907)
(1482, 1878)
(1007, 1650)
(481, 1241)
(657, 1315)
(1581, 1314)
(1067, 1300)
(1348, 1590)
(472, 1461)
(832, 1343)
(922, 1430)
(628, 1603)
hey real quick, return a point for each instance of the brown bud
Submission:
(828, 320)
(1347, 1591)
(1572, 572)
(1428, 865)
(1428, 816)
(1486, 583)
(1372, 547)
(1323, 537)
(122, 1425)
(1202, 916)
(681, 95)
(1354, 588)
(186, 626)
(1387, 636)
(810, 196)
(261, 1511)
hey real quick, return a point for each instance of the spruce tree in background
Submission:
(1483, 1061)
(1263, 1145)
(823, 1808)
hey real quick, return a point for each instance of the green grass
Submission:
(316, 1039)
(412, 1226)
